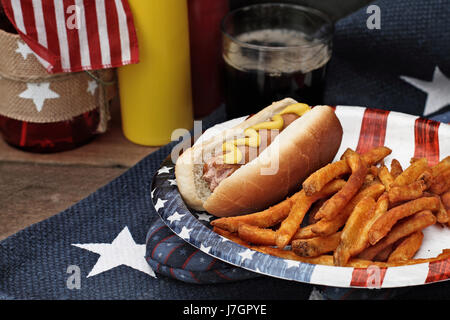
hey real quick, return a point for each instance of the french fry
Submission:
(290, 255)
(291, 224)
(263, 219)
(316, 246)
(410, 174)
(407, 192)
(314, 209)
(354, 237)
(446, 200)
(384, 254)
(385, 177)
(256, 235)
(324, 228)
(383, 224)
(441, 182)
(407, 247)
(347, 153)
(316, 181)
(381, 207)
(417, 222)
(396, 168)
(305, 232)
(338, 201)
(230, 236)
(442, 214)
(442, 166)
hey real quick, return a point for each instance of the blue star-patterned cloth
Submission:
(113, 245)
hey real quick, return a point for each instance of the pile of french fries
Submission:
(353, 212)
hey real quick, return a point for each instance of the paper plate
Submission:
(408, 136)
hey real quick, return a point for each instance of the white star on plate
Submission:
(123, 250)
(164, 170)
(153, 192)
(205, 249)
(39, 92)
(173, 182)
(438, 91)
(185, 233)
(204, 217)
(160, 204)
(247, 254)
(175, 217)
(24, 50)
(92, 86)
(292, 264)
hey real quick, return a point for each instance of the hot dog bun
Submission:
(306, 145)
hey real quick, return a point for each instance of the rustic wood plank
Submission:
(30, 193)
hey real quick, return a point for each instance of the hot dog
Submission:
(260, 161)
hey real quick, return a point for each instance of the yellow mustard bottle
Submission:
(155, 94)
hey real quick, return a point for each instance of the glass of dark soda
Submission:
(273, 51)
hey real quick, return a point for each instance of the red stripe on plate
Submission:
(373, 130)
(427, 140)
(438, 271)
(371, 277)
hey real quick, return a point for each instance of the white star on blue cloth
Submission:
(123, 250)
(437, 90)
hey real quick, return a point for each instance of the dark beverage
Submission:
(289, 64)
(249, 91)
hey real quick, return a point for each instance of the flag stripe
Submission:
(76, 35)
(16, 6)
(426, 134)
(62, 35)
(40, 23)
(103, 32)
(83, 37)
(93, 35)
(373, 130)
(123, 30)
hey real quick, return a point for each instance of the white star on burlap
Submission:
(437, 90)
(39, 92)
(123, 250)
(24, 50)
(92, 86)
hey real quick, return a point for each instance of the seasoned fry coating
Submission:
(383, 224)
(354, 237)
(407, 248)
(337, 202)
(315, 247)
(417, 222)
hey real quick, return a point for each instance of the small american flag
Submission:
(76, 35)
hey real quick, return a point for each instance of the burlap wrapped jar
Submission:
(29, 93)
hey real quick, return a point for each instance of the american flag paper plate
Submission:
(408, 136)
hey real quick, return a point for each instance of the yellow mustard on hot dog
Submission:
(233, 155)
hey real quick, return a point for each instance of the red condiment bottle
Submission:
(205, 17)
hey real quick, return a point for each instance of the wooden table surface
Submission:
(34, 187)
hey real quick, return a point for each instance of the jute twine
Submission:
(28, 93)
